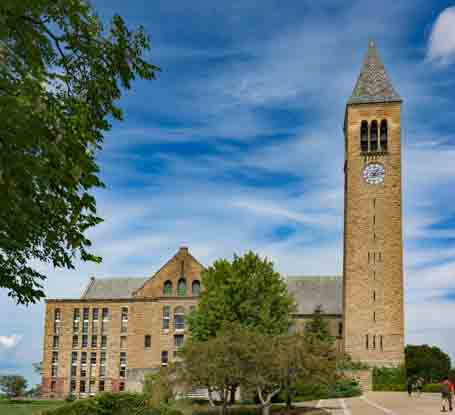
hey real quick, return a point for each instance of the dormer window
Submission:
(181, 287)
(167, 288)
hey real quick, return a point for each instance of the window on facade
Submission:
(122, 364)
(121, 386)
(124, 322)
(73, 386)
(93, 359)
(102, 358)
(179, 318)
(105, 314)
(103, 342)
(374, 315)
(76, 319)
(74, 371)
(85, 326)
(383, 135)
(340, 329)
(381, 344)
(374, 295)
(74, 364)
(83, 364)
(82, 386)
(53, 386)
(166, 317)
(94, 341)
(105, 322)
(181, 287)
(123, 342)
(91, 386)
(54, 357)
(57, 315)
(366, 342)
(54, 371)
(101, 385)
(374, 136)
(57, 322)
(75, 341)
(178, 340)
(164, 358)
(55, 342)
(147, 341)
(167, 288)
(84, 340)
(85, 313)
(196, 288)
(102, 371)
(364, 136)
(94, 326)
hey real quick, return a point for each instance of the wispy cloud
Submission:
(441, 45)
(9, 342)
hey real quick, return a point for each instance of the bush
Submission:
(112, 404)
(432, 388)
(345, 388)
(70, 398)
(389, 377)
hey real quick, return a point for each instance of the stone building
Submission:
(122, 328)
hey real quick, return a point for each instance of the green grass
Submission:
(28, 407)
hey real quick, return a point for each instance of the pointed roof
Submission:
(373, 84)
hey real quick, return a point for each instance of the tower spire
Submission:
(373, 84)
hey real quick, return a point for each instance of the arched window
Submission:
(196, 288)
(374, 136)
(179, 318)
(181, 287)
(364, 136)
(167, 288)
(383, 135)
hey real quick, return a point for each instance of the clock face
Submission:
(373, 173)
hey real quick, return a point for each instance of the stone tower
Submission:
(373, 247)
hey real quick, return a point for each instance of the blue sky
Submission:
(238, 145)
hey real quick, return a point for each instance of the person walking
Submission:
(419, 386)
(409, 386)
(446, 394)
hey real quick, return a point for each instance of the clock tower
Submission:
(373, 243)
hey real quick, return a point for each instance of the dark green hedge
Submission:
(432, 388)
(389, 387)
(109, 404)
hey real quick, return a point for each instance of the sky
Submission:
(238, 145)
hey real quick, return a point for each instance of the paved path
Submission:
(380, 403)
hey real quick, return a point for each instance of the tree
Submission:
(38, 367)
(160, 386)
(61, 74)
(13, 385)
(317, 328)
(217, 364)
(247, 291)
(428, 362)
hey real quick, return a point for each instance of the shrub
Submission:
(389, 376)
(70, 398)
(112, 404)
(389, 387)
(345, 388)
(432, 388)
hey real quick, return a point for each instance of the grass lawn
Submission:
(26, 407)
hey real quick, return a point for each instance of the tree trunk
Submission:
(232, 397)
(266, 409)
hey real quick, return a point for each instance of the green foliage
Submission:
(340, 388)
(159, 387)
(26, 407)
(432, 388)
(13, 385)
(110, 404)
(70, 398)
(345, 388)
(247, 291)
(61, 74)
(428, 362)
(389, 387)
(346, 363)
(317, 329)
(389, 376)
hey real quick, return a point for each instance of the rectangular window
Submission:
(102, 371)
(123, 342)
(374, 295)
(374, 315)
(85, 326)
(105, 314)
(84, 340)
(74, 364)
(178, 340)
(164, 358)
(147, 341)
(124, 313)
(76, 319)
(101, 386)
(122, 386)
(340, 329)
(94, 326)
(54, 357)
(94, 341)
(82, 386)
(91, 386)
(83, 364)
(57, 315)
(369, 257)
(124, 322)
(374, 342)
(73, 357)
(166, 317)
(103, 342)
(366, 341)
(381, 344)
(93, 359)
(95, 314)
(85, 314)
(53, 386)
(102, 364)
(54, 371)
(122, 364)
(73, 386)
(74, 371)
(75, 341)
(55, 342)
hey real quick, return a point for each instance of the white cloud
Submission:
(8, 342)
(441, 45)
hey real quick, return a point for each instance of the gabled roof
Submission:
(112, 288)
(314, 291)
(373, 84)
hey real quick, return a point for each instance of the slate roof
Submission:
(308, 291)
(112, 287)
(373, 84)
(311, 292)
